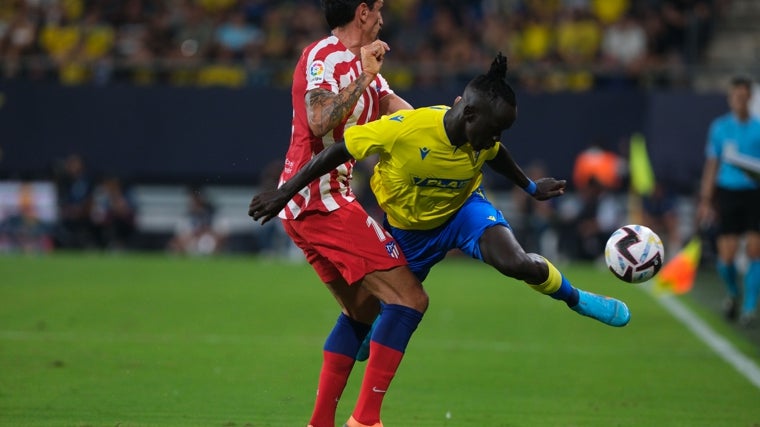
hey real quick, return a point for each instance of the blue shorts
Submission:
(424, 248)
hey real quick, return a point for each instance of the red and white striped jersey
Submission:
(326, 64)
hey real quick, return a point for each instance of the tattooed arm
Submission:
(326, 109)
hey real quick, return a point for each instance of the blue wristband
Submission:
(531, 188)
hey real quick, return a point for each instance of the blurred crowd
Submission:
(552, 45)
(81, 211)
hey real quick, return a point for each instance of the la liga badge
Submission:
(317, 72)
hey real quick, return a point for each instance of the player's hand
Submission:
(705, 214)
(267, 205)
(547, 188)
(372, 56)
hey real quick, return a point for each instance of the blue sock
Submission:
(727, 273)
(396, 326)
(751, 287)
(566, 293)
(346, 336)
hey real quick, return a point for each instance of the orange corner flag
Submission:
(677, 275)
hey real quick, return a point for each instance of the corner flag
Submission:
(642, 175)
(677, 275)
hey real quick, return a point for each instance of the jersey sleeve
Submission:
(320, 72)
(383, 89)
(371, 138)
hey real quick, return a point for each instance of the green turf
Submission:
(90, 340)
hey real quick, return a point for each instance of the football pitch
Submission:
(153, 340)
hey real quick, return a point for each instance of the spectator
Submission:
(586, 231)
(578, 37)
(597, 173)
(194, 33)
(536, 40)
(225, 71)
(75, 189)
(236, 35)
(598, 164)
(113, 214)
(24, 231)
(609, 11)
(17, 38)
(624, 46)
(196, 235)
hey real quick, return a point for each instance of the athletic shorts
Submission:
(425, 248)
(346, 243)
(739, 211)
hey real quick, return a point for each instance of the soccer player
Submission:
(428, 182)
(731, 196)
(337, 84)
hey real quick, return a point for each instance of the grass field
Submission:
(149, 340)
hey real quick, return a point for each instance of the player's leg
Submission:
(751, 280)
(422, 249)
(500, 249)
(367, 256)
(728, 246)
(751, 228)
(730, 222)
(480, 230)
(358, 308)
(405, 302)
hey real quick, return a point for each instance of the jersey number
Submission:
(378, 230)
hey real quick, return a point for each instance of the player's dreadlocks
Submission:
(494, 84)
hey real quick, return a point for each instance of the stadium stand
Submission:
(556, 45)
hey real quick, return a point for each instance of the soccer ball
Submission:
(634, 253)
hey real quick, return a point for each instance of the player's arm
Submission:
(705, 209)
(542, 189)
(267, 205)
(392, 103)
(713, 148)
(326, 110)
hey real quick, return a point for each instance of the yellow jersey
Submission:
(421, 179)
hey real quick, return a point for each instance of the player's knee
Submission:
(419, 300)
(413, 295)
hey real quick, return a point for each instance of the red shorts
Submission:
(346, 242)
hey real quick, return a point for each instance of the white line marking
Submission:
(746, 366)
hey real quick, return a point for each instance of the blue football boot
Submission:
(604, 309)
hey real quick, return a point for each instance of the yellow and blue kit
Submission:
(429, 189)
(421, 179)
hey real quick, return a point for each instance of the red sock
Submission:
(381, 368)
(332, 380)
